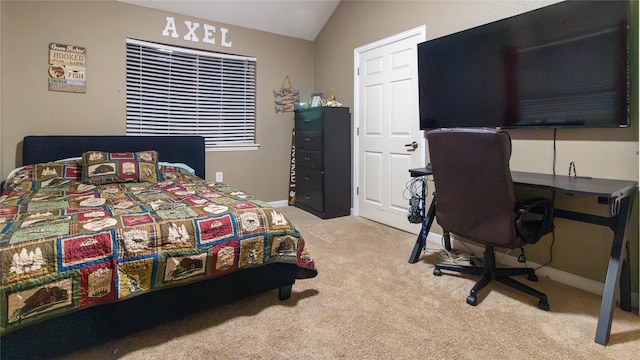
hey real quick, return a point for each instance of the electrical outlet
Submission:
(219, 176)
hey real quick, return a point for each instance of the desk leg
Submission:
(625, 280)
(614, 271)
(422, 236)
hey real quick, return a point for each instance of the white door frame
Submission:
(422, 32)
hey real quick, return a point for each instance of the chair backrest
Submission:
(474, 189)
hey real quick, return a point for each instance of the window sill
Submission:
(233, 148)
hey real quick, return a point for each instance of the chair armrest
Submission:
(534, 219)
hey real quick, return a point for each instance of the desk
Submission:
(617, 194)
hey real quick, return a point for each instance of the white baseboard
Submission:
(592, 286)
(279, 203)
(283, 203)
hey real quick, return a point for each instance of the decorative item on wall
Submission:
(208, 32)
(287, 98)
(67, 68)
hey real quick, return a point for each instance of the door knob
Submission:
(413, 146)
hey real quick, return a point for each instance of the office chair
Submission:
(475, 200)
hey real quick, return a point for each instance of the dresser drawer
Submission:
(311, 159)
(308, 178)
(309, 140)
(310, 198)
(308, 119)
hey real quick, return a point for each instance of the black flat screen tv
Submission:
(563, 65)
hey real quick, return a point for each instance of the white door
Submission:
(387, 120)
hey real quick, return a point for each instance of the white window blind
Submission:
(180, 91)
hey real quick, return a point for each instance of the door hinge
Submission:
(358, 71)
(358, 131)
(357, 190)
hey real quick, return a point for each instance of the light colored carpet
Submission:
(368, 302)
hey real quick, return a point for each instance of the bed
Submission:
(96, 220)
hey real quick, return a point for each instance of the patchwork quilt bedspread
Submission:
(66, 244)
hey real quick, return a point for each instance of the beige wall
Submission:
(580, 249)
(102, 27)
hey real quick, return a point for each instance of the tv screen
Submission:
(564, 65)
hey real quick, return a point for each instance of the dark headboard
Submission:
(185, 149)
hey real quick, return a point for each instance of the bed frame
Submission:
(187, 149)
(95, 325)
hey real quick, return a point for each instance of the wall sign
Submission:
(67, 68)
(208, 32)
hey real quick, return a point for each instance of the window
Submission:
(180, 91)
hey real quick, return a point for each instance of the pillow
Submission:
(178, 165)
(43, 175)
(14, 171)
(99, 167)
(70, 161)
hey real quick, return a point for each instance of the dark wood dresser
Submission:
(323, 161)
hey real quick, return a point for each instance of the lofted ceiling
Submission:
(301, 19)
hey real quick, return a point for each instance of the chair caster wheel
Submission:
(437, 272)
(543, 305)
(532, 277)
(472, 300)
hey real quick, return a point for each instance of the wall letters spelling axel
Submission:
(208, 32)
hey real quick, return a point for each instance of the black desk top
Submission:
(572, 184)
